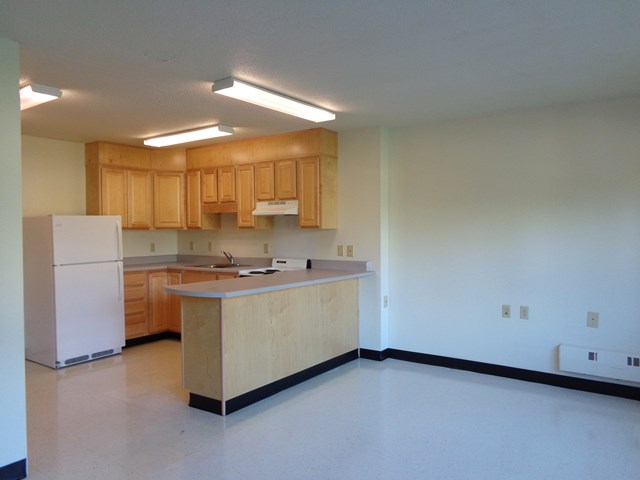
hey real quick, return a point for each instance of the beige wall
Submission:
(53, 177)
(13, 442)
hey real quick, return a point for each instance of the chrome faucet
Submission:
(229, 257)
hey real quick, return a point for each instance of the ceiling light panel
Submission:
(190, 136)
(247, 92)
(36, 93)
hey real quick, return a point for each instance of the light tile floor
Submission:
(126, 417)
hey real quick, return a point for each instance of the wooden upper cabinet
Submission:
(246, 200)
(227, 184)
(120, 179)
(113, 194)
(265, 182)
(195, 217)
(139, 199)
(285, 179)
(317, 192)
(168, 199)
(275, 180)
(209, 186)
(194, 199)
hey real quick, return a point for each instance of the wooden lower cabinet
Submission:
(175, 303)
(135, 304)
(158, 302)
(149, 309)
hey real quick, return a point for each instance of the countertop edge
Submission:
(263, 284)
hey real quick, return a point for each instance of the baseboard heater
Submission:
(600, 363)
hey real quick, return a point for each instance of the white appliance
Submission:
(73, 288)
(277, 207)
(278, 265)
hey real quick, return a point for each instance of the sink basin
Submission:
(220, 265)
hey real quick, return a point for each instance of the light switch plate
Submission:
(593, 319)
(506, 311)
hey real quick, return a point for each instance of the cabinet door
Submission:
(113, 193)
(245, 198)
(175, 303)
(139, 199)
(192, 276)
(308, 192)
(285, 179)
(158, 302)
(209, 186)
(265, 183)
(194, 204)
(135, 304)
(226, 184)
(168, 200)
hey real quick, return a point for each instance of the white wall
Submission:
(13, 441)
(538, 208)
(52, 177)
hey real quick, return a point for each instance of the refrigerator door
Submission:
(89, 310)
(86, 239)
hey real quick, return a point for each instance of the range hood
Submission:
(278, 207)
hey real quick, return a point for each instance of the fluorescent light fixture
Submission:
(35, 94)
(273, 100)
(190, 136)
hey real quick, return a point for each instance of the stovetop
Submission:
(278, 265)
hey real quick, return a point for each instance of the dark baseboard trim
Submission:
(215, 406)
(261, 393)
(573, 383)
(376, 355)
(14, 471)
(205, 403)
(132, 342)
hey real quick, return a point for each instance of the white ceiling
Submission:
(133, 69)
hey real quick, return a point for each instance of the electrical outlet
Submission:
(524, 312)
(349, 250)
(192, 245)
(152, 247)
(210, 246)
(340, 250)
(506, 311)
(593, 319)
(265, 248)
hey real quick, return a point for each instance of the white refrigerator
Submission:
(73, 288)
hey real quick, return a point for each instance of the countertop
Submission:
(237, 287)
(142, 267)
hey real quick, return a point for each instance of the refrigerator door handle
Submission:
(120, 286)
(119, 239)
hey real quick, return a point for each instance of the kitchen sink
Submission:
(220, 265)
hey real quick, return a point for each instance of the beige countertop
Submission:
(236, 287)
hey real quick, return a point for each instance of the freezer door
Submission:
(86, 239)
(89, 309)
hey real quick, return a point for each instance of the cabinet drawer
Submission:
(132, 279)
(135, 307)
(135, 293)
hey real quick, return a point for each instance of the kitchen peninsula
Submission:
(244, 339)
